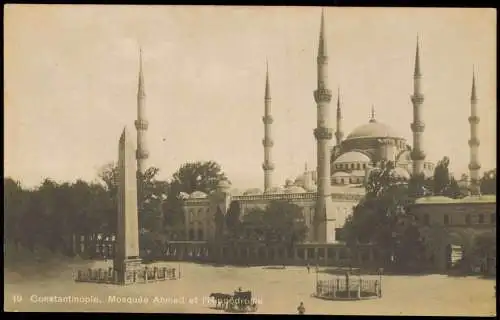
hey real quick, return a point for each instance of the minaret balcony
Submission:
(417, 98)
(474, 166)
(267, 142)
(322, 59)
(385, 142)
(417, 126)
(323, 133)
(141, 124)
(268, 166)
(474, 142)
(267, 119)
(322, 95)
(141, 154)
(417, 155)
(474, 120)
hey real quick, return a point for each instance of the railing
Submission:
(110, 275)
(348, 288)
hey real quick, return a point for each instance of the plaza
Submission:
(276, 290)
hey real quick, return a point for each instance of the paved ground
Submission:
(276, 290)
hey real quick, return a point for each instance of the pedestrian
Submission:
(308, 268)
(301, 308)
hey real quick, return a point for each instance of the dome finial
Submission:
(372, 119)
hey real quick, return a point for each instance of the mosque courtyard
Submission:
(275, 291)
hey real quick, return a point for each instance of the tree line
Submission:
(50, 214)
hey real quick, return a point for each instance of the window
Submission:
(480, 218)
(358, 166)
(364, 165)
(467, 219)
(493, 217)
(446, 219)
(342, 180)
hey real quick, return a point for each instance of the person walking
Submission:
(308, 268)
(301, 309)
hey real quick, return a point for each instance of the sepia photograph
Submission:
(250, 160)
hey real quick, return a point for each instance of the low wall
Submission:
(143, 275)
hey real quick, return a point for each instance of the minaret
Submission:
(339, 135)
(418, 126)
(372, 115)
(267, 142)
(323, 133)
(474, 165)
(141, 124)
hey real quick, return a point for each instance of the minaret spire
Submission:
(474, 165)
(141, 124)
(267, 142)
(417, 60)
(418, 126)
(339, 135)
(323, 134)
(372, 116)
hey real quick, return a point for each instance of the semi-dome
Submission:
(340, 174)
(183, 195)
(223, 184)
(373, 129)
(352, 156)
(294, 189)
(274, 190)
(253, 191)
(401, 173)
(198, 195)
(235, 192)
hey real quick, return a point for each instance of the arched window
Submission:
(342, 180)
(200, 234)
(364, 165)
(358, 166)
(191, 234)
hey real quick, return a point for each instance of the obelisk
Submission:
(126, 258)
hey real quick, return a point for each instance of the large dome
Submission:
(352, 156)
(373, 129)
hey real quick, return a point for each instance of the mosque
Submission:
(329, 193)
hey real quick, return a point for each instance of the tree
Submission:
(285, 222)
(198, 176)
(489, 182)
(279, 222)
(233, 217)
(151, 194)
(419, 186)
(382, 219)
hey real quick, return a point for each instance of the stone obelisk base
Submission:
(127, 270)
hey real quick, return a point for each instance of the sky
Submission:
(71, 73)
